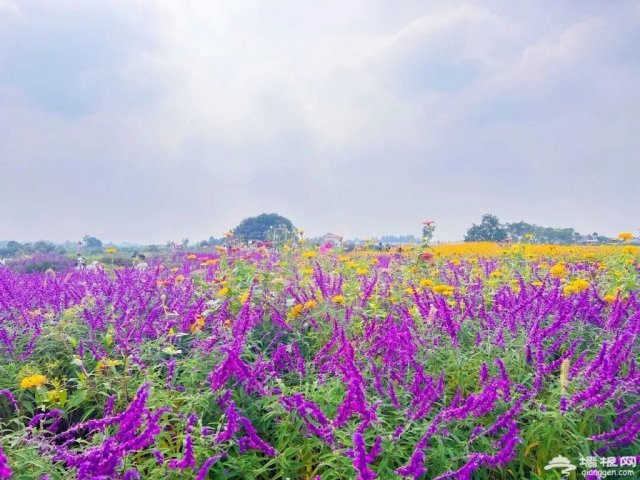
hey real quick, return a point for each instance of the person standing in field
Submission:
(3, 262)
(142, 264)
(80, 262)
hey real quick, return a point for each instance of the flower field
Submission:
(476, 361)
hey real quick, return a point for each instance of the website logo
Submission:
(561, 463)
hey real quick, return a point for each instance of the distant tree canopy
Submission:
(489, 230)
(10, 249)
(257, 228)
(520, 230)
(92, 243)
(398, 239)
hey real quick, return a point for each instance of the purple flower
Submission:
(5, 470)
(202, 473)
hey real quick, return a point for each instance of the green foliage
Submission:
(257, 228)
(93, 244)
(489, 230)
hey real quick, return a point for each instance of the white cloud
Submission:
(358, 117)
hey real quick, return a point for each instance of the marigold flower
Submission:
(338, 299)
(32, 381)
(296, 311)
(197, 325)
(625, 236)
(223, 291)
(309, 304)
(309, 254)
(244, 297)
(446, 290)
(558, 270)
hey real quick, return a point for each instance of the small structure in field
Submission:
(332, 238)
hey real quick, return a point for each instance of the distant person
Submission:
(80, 262)
(142, 265)
(3, 262)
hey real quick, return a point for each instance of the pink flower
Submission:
(426, 256)
(326, 247)
(428, 222)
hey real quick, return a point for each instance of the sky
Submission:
(149, 121)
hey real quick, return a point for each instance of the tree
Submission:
(92, 243)
(43, 247)
(11, 248)
(489, 230)
(257, 228)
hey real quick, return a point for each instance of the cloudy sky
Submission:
(155, 120)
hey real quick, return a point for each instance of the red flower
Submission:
(426, 256)
(428, 222)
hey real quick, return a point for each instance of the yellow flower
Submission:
(107, 362)
(425, 282)
(244, 297)
(446, 290)
(172, 332)
(223, 291)
(309, 254)
(558, 270)
(307, 271)
(577, 286)
(180, 278)
(339, 299)
(197, 325)
(609, 298)
(580, 284)
(296, 310)
(351, 264)
(309, 304)
(362, 271)
(536, 283)
(625, 236)
(32, 381)
(343, 258)
(111, 250)
(495, 274)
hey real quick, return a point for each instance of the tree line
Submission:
(491, 229)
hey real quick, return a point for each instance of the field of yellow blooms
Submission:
(458, 361)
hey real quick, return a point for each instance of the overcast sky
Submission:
(154, 120)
